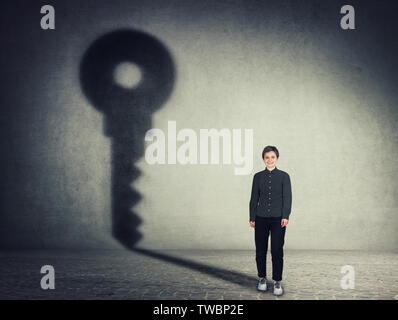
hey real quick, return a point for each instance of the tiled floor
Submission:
(183, 274)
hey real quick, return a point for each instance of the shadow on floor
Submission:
(219, 273)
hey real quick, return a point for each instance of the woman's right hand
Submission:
(252, 224)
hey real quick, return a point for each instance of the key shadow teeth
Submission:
(127, 111)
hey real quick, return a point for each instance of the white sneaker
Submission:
(262, 284)
(278, 290)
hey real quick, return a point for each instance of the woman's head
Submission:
(270, 156)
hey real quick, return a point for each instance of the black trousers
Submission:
(262, 228)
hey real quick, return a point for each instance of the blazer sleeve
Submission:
(255, 195)
(287, 197)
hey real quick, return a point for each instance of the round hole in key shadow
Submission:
(127, 104)
(127, 75)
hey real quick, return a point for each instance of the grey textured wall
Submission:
(325, 97)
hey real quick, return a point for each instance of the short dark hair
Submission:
(270, 148)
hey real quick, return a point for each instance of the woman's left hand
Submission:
(284, 222)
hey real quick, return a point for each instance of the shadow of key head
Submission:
(128, 111)
(127, 108)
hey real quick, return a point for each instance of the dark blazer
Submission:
(271, 194)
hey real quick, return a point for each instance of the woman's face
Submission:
(270, 159)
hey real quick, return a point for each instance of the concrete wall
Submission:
(325, 97)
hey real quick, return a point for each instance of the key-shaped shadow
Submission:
(127, 111)
(127, 118)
